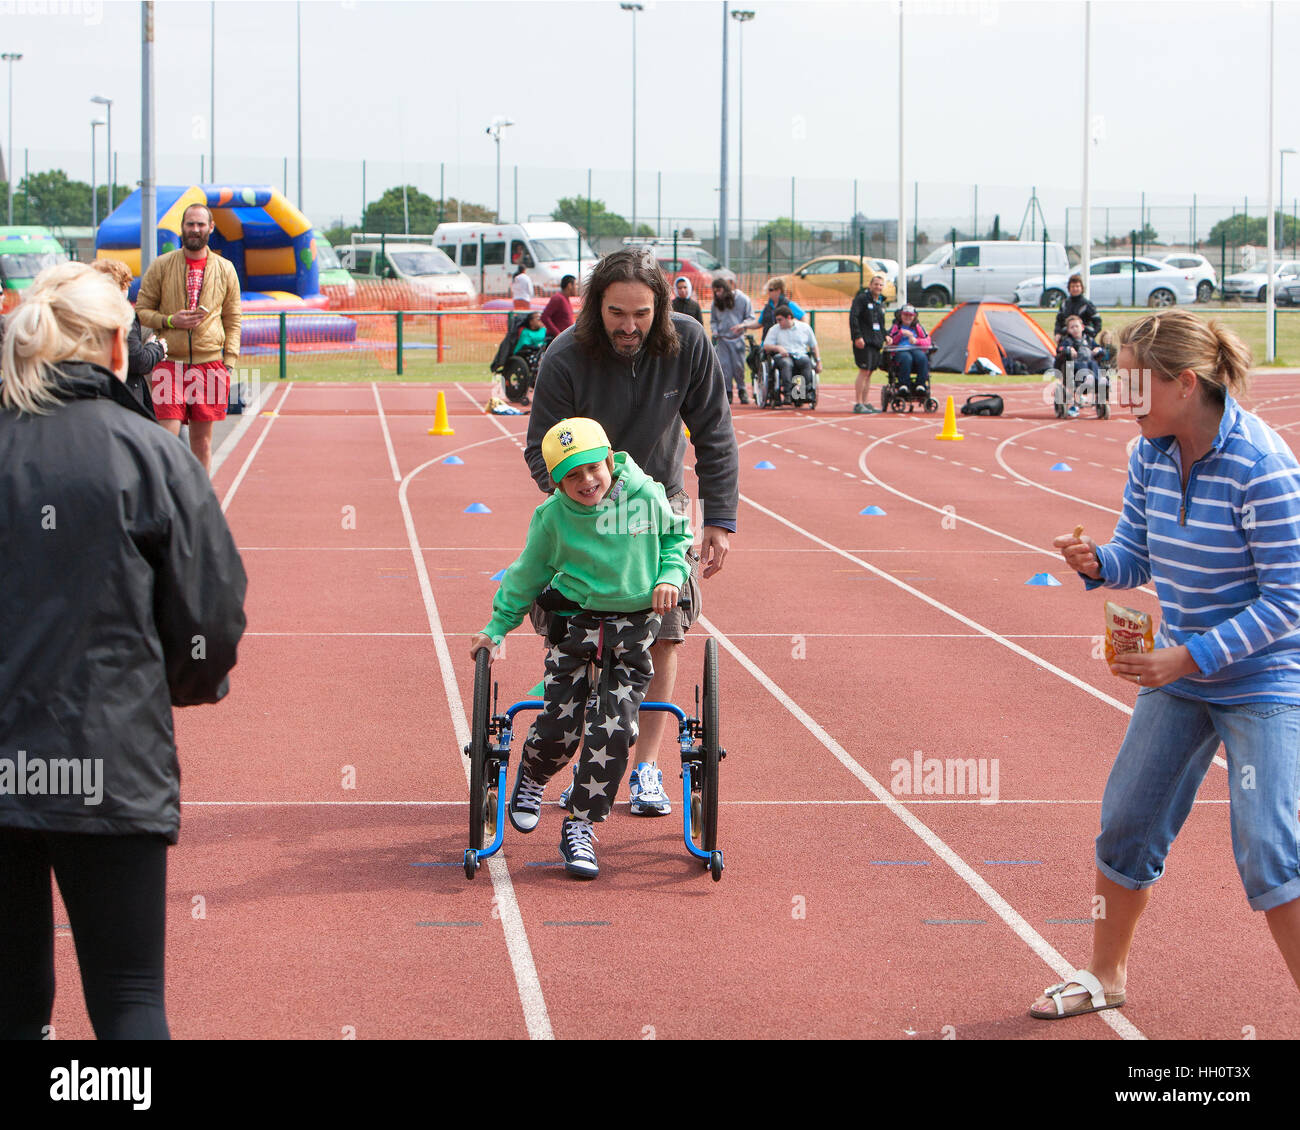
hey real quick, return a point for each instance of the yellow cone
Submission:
(949, 422)
(441, 426)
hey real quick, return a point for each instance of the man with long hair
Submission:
(642, 371)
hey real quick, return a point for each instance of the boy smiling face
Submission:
(587, 483)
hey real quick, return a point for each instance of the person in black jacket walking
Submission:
(121, 596)
(1078, 305)
(143, 357)
(867, 332)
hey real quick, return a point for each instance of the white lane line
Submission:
(251, 412)
(837, 802)
(512, 436)
(388, 439)
(528, 983)
(270, 423)
(1035, 941)
(1031, 482)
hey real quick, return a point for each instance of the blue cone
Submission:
(1062, 467)
(764, 466)
(477, 508)
(498, 575)
(453, 461)
(1045, 579)
(873, 510)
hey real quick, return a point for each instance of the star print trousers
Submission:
(602, 714)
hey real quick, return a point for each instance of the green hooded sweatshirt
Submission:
(608, 557)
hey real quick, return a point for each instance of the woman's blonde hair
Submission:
(70, 313)
(1176, 340)
(116, 270)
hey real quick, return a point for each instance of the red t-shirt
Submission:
(194, 280)
(558, 315)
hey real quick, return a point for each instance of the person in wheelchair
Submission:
(1077, 359)
(910, 347)
(606, 554)
(519, 355)
(792, 346)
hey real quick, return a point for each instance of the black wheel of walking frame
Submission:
(710, 750)
(479, 786)
(515, 378)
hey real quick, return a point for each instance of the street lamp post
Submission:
(95, 123)
(11, 57)
(633, 8)
(107, 103)
(1281, 195)
(498, 124)
(742, 18)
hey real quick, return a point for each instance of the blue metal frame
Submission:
(502, 750)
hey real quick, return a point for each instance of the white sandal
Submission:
(1081, 983)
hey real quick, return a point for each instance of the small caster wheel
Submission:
(471, 863)
(715, 865)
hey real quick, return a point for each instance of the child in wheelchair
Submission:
(607, 556)
(1082, 380)
(907, 363)
(519, 355)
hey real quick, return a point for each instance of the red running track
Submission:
(317, 888)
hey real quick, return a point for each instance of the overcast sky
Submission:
(993, 98)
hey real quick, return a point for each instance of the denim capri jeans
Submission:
(1169, 747)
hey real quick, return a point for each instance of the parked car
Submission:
(1287, 293)
(334, 279)
(981, 269)
(1254, 283)
(429, 277)
(835, 278)
(548, 251)
(24, 253)
(684, 257)
(1117, 281)
(1207, 279)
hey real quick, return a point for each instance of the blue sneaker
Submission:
(568, 792)
(1072, 411)
(647, 790)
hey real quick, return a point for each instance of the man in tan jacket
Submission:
(190, 298)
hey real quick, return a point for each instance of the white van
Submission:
(491, 253)
(431, 276)
(975, 270)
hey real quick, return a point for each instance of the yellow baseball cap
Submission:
(571, 443)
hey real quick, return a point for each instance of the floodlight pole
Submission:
(742, 18)
(1270, 344)
(1085, 247)
(902, 180)
(11, 57)
(724, 173)
(148, 181)
(633, 8)
(95, 123)
(107, 103)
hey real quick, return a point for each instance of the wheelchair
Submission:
(901, 396)
(491, 733)
(1079, 389)
(765, 381)
(518, 371)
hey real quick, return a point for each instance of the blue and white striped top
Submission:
(1224, 552)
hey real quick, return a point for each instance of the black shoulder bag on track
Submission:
(982, 404)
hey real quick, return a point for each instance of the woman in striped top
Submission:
(1212, 516)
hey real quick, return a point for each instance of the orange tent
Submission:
(998, 331)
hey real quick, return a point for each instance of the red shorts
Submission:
(191, 392)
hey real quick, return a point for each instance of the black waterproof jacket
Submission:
(121, 595)
(1086, 310)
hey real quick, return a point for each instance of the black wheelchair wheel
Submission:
(516, 378)
(478, 750)
(710, 750)
(715, 865)
(471, 863)
(932, 405)
(886, 395)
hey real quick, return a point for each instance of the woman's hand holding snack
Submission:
(664, 599)
(479, 642)
(1155, 668)
(1080, 553)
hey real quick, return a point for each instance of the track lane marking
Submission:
(388, 439)
(1003, 909)
(261, 439)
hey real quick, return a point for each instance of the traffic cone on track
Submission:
(949, 422)
(441, 426)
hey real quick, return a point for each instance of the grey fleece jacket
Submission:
(641, 402)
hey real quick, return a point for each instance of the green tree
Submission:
(780, 229)
(421, 212)
(573, 210)
(1241, 230)
(52, 198)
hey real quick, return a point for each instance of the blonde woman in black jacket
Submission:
(121, 596)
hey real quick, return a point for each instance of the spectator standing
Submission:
(190, 297)
(558, 315)
(1077, 305)
(730, 314)
(521, 288)
(684, 299)
(867, 332)
(145, 356)
(113, 533)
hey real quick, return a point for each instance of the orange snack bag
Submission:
(1127, 630)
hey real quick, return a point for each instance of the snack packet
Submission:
(1127, 630)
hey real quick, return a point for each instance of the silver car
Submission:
(1254, 284)
(1207, 280)
(1117, 281)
